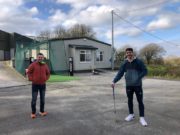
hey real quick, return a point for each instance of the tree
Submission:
(60, 32)
(151, 52)
(45, 35)
(120, 55)
(78, 30)
(81, 30)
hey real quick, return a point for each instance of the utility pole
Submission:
(112, 46)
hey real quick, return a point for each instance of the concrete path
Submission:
(85, 107)
(9, 77)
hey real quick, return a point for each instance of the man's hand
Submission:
(113, 85)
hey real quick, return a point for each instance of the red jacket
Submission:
(38, 73)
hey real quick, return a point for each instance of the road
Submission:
(85, 107)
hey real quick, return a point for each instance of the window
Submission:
(27, 54)
(85, 56)
(34, 53)
(45, 53)
(99, 56)
(44, 50)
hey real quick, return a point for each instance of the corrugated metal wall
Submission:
(4, 45)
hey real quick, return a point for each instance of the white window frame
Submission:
(99, 56)
(86, 53)
(27, 54)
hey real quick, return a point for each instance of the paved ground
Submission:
(9, 77)
(85, 107)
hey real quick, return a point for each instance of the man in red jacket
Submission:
(38, 73)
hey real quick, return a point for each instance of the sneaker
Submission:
(33, 115)
(130, 117)
(43, 113)
(143, 121)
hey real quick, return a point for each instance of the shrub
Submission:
(172, 61)
(157, 70)
(174, 71)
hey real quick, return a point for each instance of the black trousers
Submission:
(130, 90)
(35, 89)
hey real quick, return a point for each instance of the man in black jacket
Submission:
(134, 70)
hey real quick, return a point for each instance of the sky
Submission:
(136, 22)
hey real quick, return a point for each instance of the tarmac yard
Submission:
(85, 107)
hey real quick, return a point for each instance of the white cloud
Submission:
(95, 15)
(161, 23)
(123, 31)
(9, 7)
(15, 18)
(69, 23)
(164, 21)
(79, 4)
(34, 11)
(11, 2)
(83, 11)
(146, 12)
(57, 18)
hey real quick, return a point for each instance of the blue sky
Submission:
(160, 18)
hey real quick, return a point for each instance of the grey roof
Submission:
(83, 47)
(81, 38)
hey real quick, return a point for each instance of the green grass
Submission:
(60, 78)
(157, 70)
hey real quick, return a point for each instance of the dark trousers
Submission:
(35, 89)
(139, 95)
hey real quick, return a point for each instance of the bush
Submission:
(172, 61)
(174, 71)
(166, 71)
(157, 70)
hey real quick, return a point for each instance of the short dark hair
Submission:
(40, 54)
(129, 49)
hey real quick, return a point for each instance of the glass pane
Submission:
(27, 54)
(34, 53)
(101, 57)
(97, 56)
(88, 57)
(82, 57)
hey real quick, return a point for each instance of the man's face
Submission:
(40, 58)
(129, 54)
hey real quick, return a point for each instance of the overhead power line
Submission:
(149, 6)
(157, 37)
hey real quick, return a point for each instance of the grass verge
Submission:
(59, 78)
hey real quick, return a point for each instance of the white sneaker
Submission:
(143, 121)
(130, 117)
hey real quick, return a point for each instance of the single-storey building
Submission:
(86, 53)
(8, 44)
